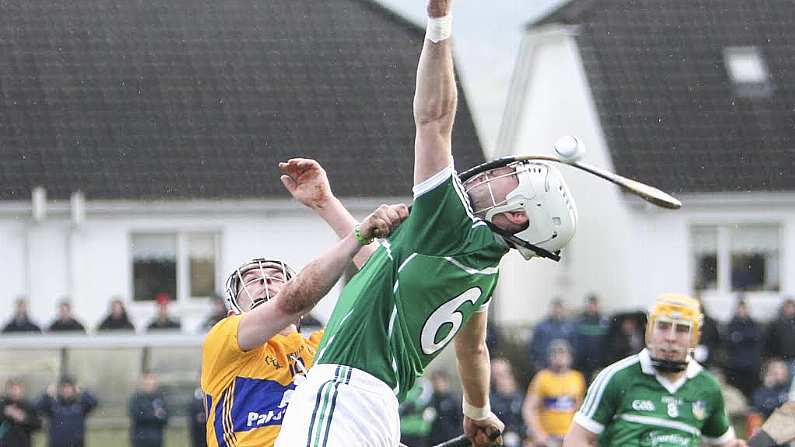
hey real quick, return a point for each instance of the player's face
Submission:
(670, 339)
(259, 283)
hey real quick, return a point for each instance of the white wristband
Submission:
(476, 413)
(439, 28)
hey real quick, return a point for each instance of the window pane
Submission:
(755, 257)
(705, 257)
(201, 252)
(154, 265)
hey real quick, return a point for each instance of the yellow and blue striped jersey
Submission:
(247, 392)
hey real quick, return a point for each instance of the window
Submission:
(747, 70)
(736, 257)
(754, 257)
(705, 257)
(154, 265)
(180, 264)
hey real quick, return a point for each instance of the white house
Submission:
(692, 96)
(151, 132)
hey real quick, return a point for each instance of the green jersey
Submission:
(628, 404)
(417, 290)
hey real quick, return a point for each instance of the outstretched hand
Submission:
(381, 222)
(306, 181)
(484, 433)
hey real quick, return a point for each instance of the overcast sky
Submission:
(487, 37)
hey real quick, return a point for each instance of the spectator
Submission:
(775, 388)
(197, 419)
(65, 320)
(591, 335)
(18, 418)
(217, 313)
(743, 360)
(67, 409)
(555, 326)
(20, 322)
(779, 340)
(148, 414)
(163, 320)
(506, 402)
(117, 319)
(625, 336)
(553, 397)
(707, 351)
(735, 402)
(444, 410)
(414, 425)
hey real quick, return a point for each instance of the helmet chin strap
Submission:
(513, 240)
(668, 366)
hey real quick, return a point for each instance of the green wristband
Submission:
(357, 233)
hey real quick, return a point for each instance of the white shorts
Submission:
(340, 406)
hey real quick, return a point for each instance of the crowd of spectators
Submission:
(63, 409)
(117, 318)
(565, 352)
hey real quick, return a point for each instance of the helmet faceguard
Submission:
(677, 313)
(235, 284)
(543, 195)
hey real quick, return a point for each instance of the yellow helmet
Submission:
(676, 308)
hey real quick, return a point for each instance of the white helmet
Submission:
(235, 281)
(543, 195)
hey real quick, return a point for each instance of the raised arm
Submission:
(474, 370)
(300, 294)
(307, 182)
(436, 95)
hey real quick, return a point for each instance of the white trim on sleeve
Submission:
(432, 181)
(588, 423)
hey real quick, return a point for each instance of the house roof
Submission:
(200, 99)
(670, 112)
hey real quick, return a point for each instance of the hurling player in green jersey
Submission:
(430, 283)
(659, 397)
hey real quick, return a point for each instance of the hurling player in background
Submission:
(430, 283)
(254, 358)
(660, 396)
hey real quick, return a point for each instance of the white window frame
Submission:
(724, 255)
(183, 263)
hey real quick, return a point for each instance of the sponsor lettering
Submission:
(643, 405)
(255, 419)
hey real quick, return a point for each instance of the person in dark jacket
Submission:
(163, 319)
(781, 332)
(117, 319)
(21, 322)
(774, 391)
(743, 360)
(555, 326)
(506, 402)
(591, 336)
(148, 414)
(18, 417)
(197, 420)
(67, 409)
(707, 352)
(65, 321)
(444, 410)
